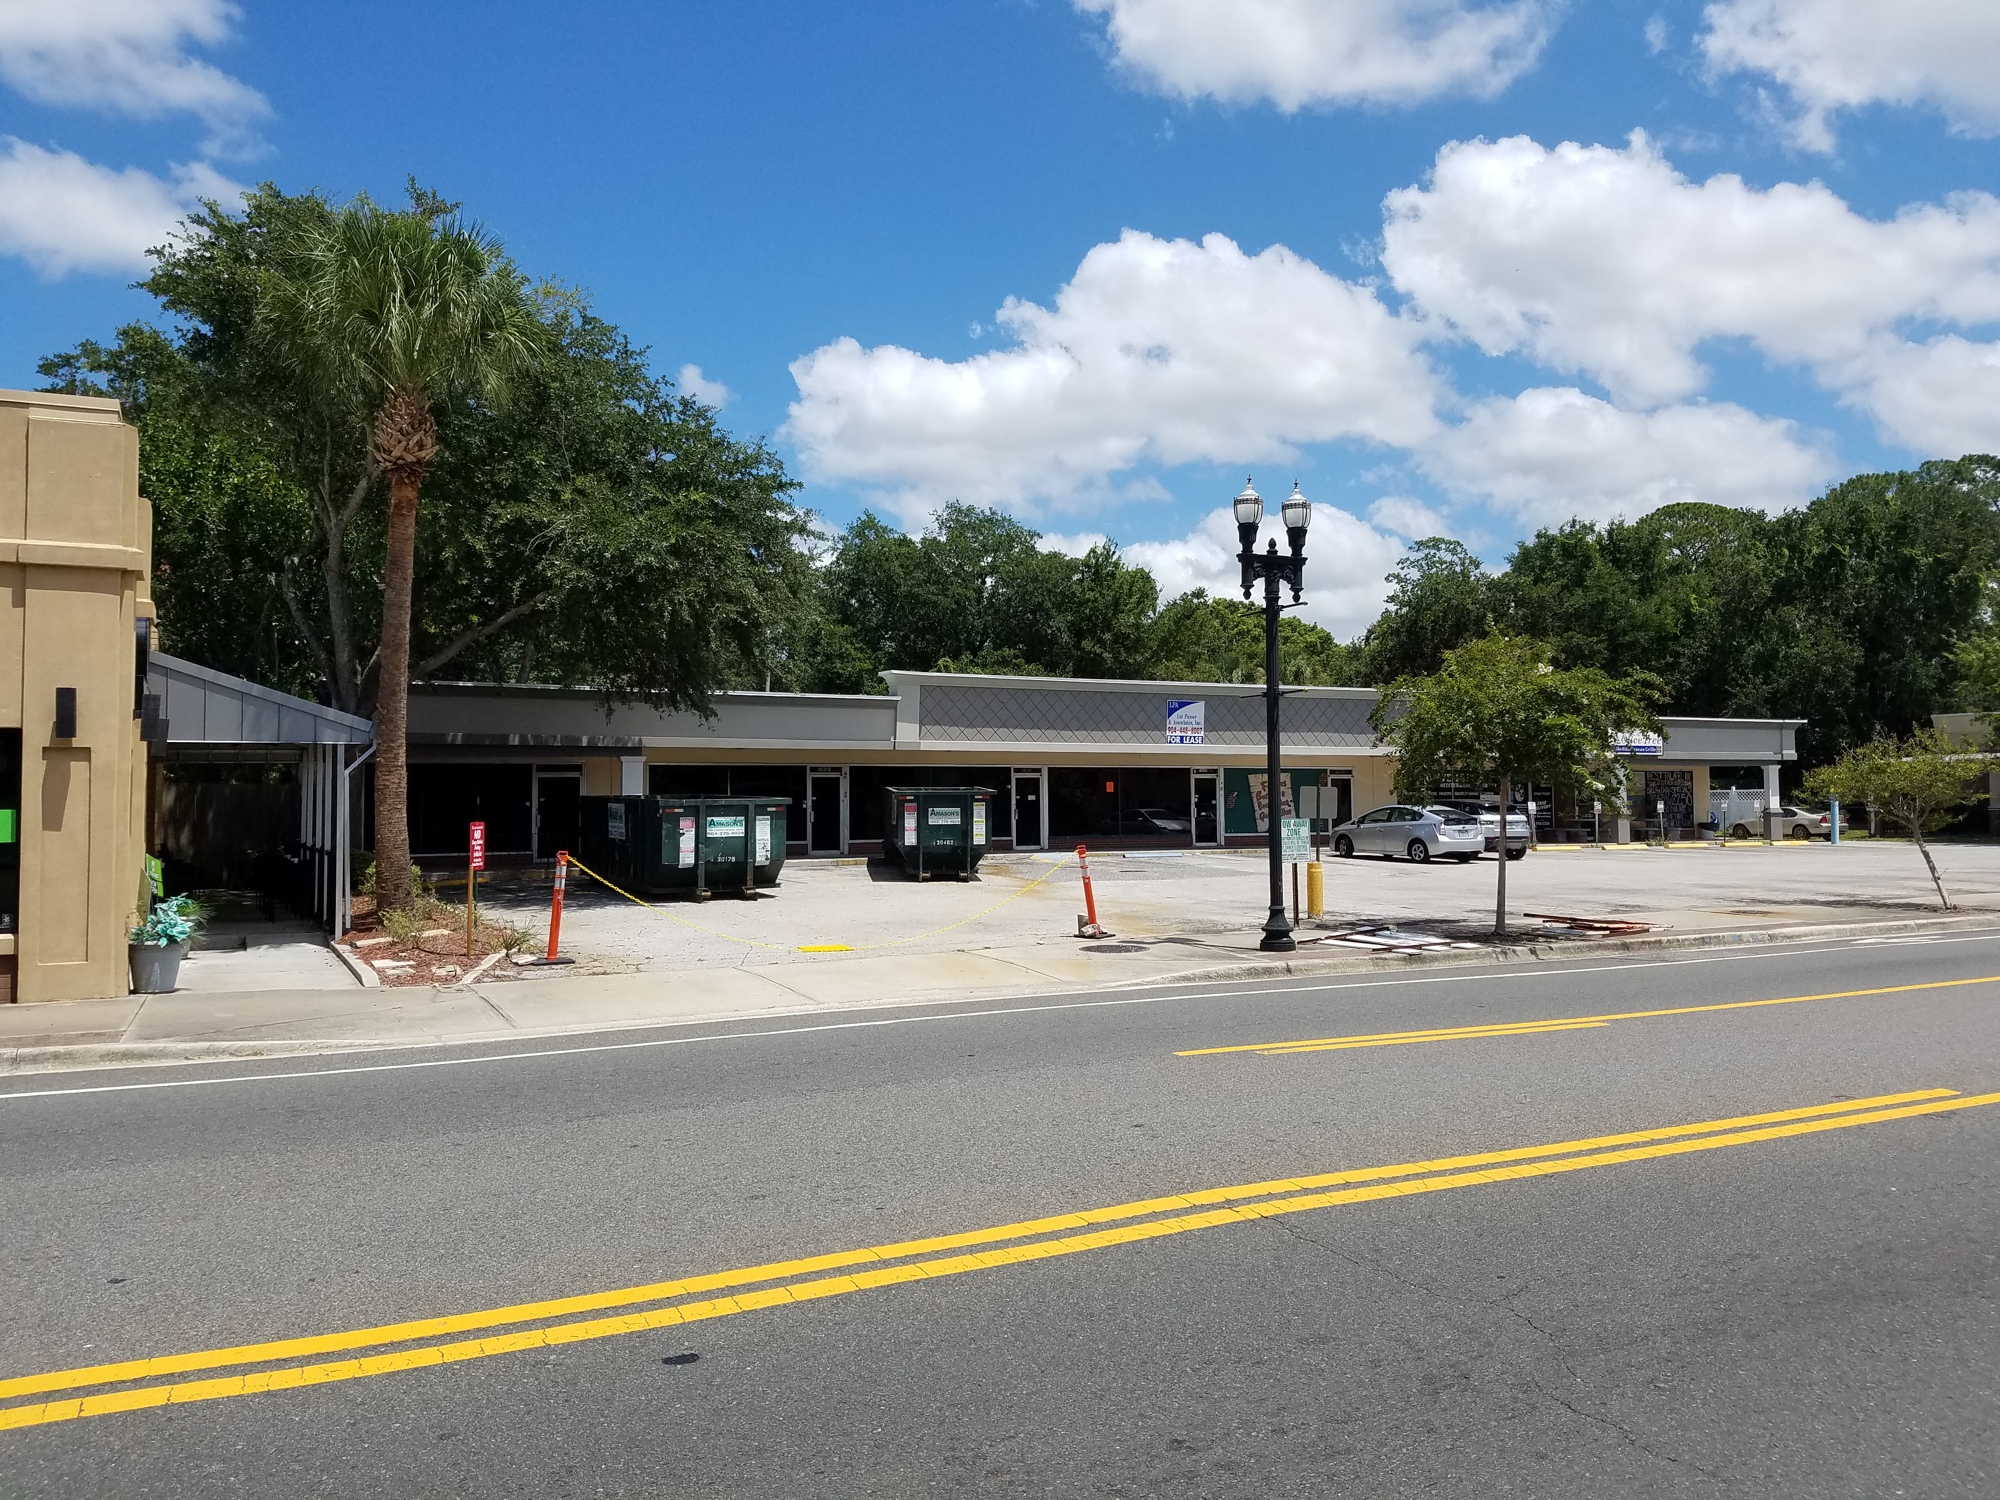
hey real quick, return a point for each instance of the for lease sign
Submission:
(1187, 721)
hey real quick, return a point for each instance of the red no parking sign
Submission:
(478, 846)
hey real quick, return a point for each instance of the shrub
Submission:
(177, 919)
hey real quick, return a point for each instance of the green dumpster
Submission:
(938, 830)
(696, 846)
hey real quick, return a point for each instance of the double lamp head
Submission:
(1297, 512)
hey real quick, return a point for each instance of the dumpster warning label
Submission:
(979, 823)
(947, 817)
(687, 843)
(763, 841)
(614, 820)
(725, 828)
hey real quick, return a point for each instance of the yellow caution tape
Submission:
(578, 864)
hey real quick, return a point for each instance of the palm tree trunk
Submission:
(1500, 906)
(392, 712)
(1937, 880)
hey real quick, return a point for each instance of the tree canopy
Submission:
(1863, 612)
(978, 592)
(1921, 782)
(1497, 711)
(604, 529)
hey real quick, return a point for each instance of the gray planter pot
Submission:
(154, 970)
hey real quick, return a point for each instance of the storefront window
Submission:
(1122, 802)
(10, 829)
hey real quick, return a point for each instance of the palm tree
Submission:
(381, 315)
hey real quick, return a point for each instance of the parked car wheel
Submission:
(1344, 847)
(1419, 852)
(1739, 830)
(1800, 832)
(1517, 853)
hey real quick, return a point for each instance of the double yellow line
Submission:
(291, 1364)
(1560, 1023)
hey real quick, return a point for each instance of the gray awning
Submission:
(207, 708)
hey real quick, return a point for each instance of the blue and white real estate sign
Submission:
(1187, 721)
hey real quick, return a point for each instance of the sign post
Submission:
(475, 862)
(1295, 835)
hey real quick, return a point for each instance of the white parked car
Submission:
(1415, 833)
(1804, 823)
(1489, 826)
(1793, 823)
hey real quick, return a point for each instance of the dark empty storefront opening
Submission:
(446, 800)
(1120, 802)
(788, 782)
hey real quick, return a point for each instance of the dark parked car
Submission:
(1142, 820)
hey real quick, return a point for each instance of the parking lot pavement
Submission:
(845, 911)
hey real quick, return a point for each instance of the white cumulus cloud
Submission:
(1608, 262)
(1405, 516)
(1297, 53)
(1552, 453)
(129, 57)
(61, 213)
(1072, 544)
(1346, 573)
(1160, 351)
(1830, 55)
(708, 392)
(1941, 397)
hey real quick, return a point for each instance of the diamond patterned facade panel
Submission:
(1082, 716)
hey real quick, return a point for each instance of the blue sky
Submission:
(823, 209)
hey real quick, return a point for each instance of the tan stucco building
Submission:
(75, 607)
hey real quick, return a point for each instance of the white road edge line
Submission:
(961, 1015)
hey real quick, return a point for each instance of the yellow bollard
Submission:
(1315, 889)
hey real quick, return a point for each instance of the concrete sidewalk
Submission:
(195, 1026)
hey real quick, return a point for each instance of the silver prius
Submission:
(1416, 833)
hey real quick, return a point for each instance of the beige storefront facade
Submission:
(75, 609)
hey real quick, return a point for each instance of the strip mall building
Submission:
(95, 724)
(1113, 763)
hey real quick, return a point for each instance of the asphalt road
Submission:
(1798, 1303)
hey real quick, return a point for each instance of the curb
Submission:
(363, 972)
(15, 1061)
(1548, 952)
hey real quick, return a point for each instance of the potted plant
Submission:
(161, 941)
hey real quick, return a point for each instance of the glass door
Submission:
(1207, 809)
(823, 813)
(558, 812)
(1028, 810)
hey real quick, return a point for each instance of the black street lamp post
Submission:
(1276, 569)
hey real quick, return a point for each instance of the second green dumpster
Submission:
(938, 830)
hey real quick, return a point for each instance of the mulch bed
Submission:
(436, 956)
